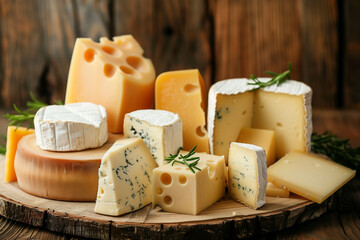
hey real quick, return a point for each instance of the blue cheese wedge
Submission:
(247, 174)
(125, 178)
(160, 130)
(71, 127)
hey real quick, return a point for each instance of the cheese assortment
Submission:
(177, 189)
(183, 92)
(113, 74)
(125, 178)
(71, 127)
(160, 130)
(308, 175)
(247, 174)
(284, 108)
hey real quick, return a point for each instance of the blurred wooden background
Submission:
(223, 38)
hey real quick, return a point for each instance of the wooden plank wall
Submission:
(222, 38)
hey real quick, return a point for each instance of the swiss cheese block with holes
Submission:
(179, 190)
(284, 108)
(160, 130)
(125, 178)
(113, 74)
(247, 174)
(183, 92)
(309, 175)
(260, 137)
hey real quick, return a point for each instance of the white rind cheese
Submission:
(160, 130)
(247, 174)
(71, 127)
(125, 178)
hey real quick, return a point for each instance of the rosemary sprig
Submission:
(3, 145)
(336, 149)
(278, 78)
(187, 160)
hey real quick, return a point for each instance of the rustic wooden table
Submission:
(341, 222)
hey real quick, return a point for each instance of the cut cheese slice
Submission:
(71, 127)
(125, 178)
(247, 174)
(177, 189)
(160, 130)
(309, 175)
(14, 134)
(275, 191)
(284, 108)
(262, 138)
(69, 176)
(113, 74)
(183, 92)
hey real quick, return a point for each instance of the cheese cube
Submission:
(14, 134)
(262, 138)
(113, 74)
(125, 178)
(160, 130)
(177, 189)
(275, 191)
(71, 127)
(183, 92)
(309, 175)
(247, 174)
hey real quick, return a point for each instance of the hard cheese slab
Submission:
(224, 208)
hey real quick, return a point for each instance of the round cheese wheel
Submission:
(69, 176)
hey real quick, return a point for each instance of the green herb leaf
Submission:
(278, 78)
(3, 145)
(336, 149)
(187, 160)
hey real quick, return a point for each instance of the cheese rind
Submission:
(125, 178)
(183, 92)
(262, 138)
(71, 127)
(247, 174)
(309, 175)
(14, 134)
(177, 189)
(113, 74)
(160, 130)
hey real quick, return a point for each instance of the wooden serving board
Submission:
(226, 217)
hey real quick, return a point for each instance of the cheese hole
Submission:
(101, 191)
(108, 50)
(159, 191)
(279, 124)
(127, 70)
(216, 178)
(167, 200)
(190, 88)
(135, 62)
(178, 168)
(89, 55)
(109, 70)
(165, 179)
(261, 106)
(244, 112)
(200, 131)
(182, 179)
(211, 171)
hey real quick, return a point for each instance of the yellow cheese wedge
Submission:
(13, 137)
(183, 92)
(113, 74)
(309, 175)
(275, 191)
(262, 138)
(69, 176)
(177, 189)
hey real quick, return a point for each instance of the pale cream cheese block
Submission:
(284, 108)
(160, 130)
(247, 174)
(177, 189)
(125, 178)
(309, 175)
(71, 127)
(69, 176)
